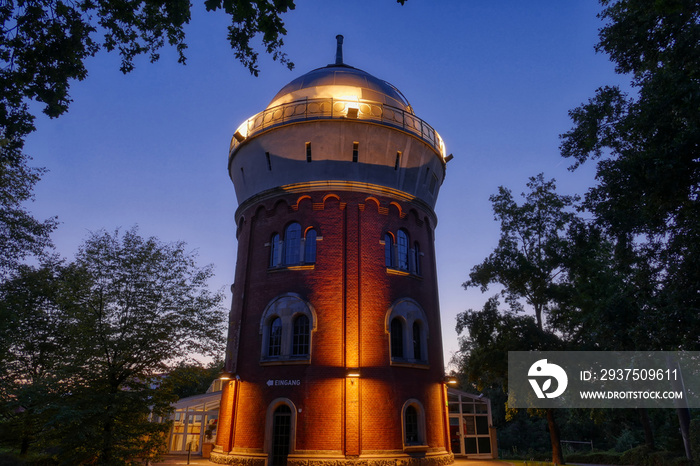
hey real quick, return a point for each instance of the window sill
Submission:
(284, 361)
(291, 267)
(402, 273)
(409, 363)
(415, 448)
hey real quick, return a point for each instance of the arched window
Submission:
(292, 243)
(416, 252)
(274, 344)
(300, 336)
(406, 325)
(411, 426)
(402, 247)
(413, 421)
(417, 337)
(310, 247)
(286, 329)
(274, 250)
(389, 250)
(396, 338)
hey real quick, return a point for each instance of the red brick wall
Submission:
(351, 293)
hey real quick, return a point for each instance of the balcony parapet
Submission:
(330, 108)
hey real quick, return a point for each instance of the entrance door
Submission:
(281, 432)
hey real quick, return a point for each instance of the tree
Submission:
(647, 149)
(34, 347)
(528, 264)
(194, 379)
(21, 235)
(107, 326)
(44, 45)
(527, 260)
(486, 336)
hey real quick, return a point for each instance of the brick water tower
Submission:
(334, 350)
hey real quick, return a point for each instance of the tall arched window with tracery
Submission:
(416, 261)
(417, 341)
(275, 250)
(292, 244)
(310, 246)
(396, 338)
(301, 336)
(402, 249)
(388, 250)
(274, 345)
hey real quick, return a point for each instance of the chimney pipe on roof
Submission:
(339, 50)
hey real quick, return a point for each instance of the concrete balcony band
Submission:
(330, 108)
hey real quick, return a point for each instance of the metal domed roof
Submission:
(342, 82)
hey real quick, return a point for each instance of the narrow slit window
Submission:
(355, 151)
(433, 184)
(308, 152)
(398, 160)
(269, 163)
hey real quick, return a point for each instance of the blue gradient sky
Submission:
(494, 78)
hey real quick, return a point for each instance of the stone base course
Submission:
(434, 460)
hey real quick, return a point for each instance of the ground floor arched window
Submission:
(413, 423)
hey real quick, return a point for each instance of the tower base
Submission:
(389, 458)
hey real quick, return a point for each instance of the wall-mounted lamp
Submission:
(226, 375)
(450, 380)
(353, 372)
(449, 157)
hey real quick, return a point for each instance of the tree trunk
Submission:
(107, 441)
(26, 432)
(646, 425)
(684, 421)
(557, 455)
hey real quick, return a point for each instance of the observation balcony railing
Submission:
(329, 108)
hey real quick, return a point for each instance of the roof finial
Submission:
(339, 50)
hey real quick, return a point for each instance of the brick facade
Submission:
(351, 291)
(335, 342)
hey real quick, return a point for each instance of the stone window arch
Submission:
(413, 425)
(407, 328)
(296, 321)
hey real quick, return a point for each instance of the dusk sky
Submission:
(495, 79)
